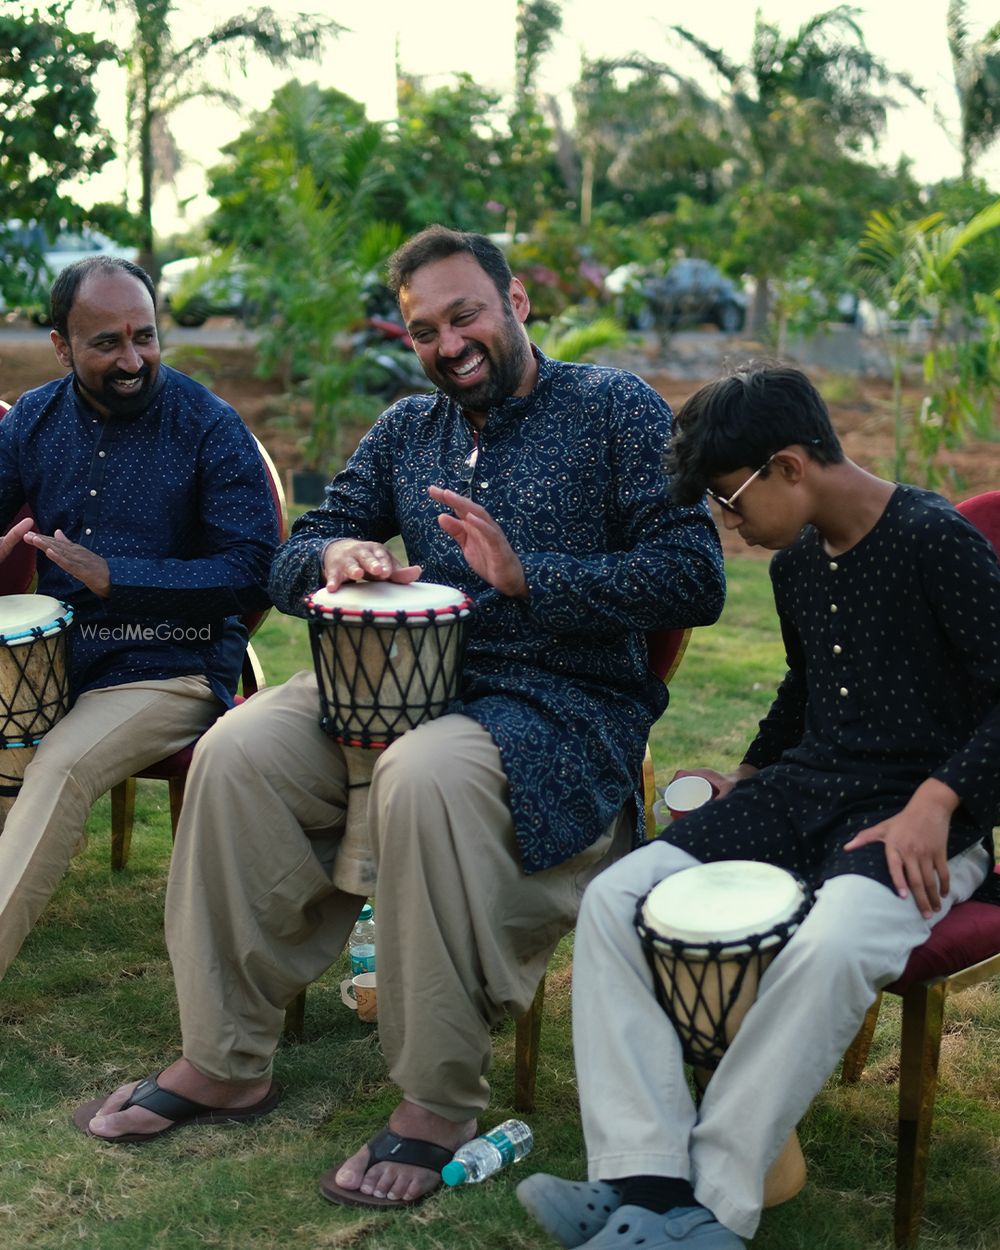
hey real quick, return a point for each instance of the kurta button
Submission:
(833, 607)
(837, 648)
(88, 531)
(93, 492)
(843, 692)
(484, 485)
(102, 454)
(834, 566)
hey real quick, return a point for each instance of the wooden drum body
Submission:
(709, 933)
(388, 657)
(34, 681)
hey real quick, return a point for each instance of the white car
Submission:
(67, 247)
(195, 288)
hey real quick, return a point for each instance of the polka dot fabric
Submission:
(573, 475)
(175, 499)
(893, 653)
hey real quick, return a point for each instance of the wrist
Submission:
(937, 795)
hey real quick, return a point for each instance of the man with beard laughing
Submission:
(152, 517)
(536, 488)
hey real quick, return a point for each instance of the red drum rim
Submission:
(372, 601)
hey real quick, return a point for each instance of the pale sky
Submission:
(440, 37)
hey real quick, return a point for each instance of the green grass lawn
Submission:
(90, 1004)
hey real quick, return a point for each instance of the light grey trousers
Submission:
(252, 917)
(638, 1115)
(108, 735)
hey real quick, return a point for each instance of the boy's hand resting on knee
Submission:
(916, 844)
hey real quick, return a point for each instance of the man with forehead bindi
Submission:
(151, 517)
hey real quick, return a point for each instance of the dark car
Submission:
(691, 292)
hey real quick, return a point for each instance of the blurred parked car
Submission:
(195, 288)
(29, 261)
(691, 292)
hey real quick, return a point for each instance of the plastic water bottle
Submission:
(361, 943)
(483, 1156)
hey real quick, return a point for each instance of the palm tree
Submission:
(162, 76)
(976, 64)
(799, 107)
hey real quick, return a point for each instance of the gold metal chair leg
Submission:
(529, 1028)
(923, 1018)
(122, 817)
(856, 1055)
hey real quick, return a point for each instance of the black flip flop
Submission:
(388, 1147)
(182, 1111)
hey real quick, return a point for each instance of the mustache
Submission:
(120, 375)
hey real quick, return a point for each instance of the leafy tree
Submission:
(909, 268)
(976, 65)
(161, 76)
(803, 110)
(531, 171)
(50, 133)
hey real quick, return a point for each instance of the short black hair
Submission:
(438, 242)
(741, 420)
(69, 280)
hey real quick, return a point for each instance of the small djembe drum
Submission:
(388, 657)
(709, 933)
(34, 682)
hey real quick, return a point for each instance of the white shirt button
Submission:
(837, 648)
(93, 492)
(484, 485)
(833, 606)
(843, 692)
(102, 454)
(834, 566)
(88, 531)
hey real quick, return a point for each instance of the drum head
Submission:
(722, 902)
(19, 614)
(388, 599)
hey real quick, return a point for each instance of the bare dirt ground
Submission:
(861, 405)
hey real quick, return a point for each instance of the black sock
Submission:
(657, 1193)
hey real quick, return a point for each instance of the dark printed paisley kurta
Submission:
(573, 475)
(893, 653)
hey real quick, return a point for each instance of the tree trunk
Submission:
(760, 311)
(147, 254)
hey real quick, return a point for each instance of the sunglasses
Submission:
(729, 505)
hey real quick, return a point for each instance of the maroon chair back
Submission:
(983, 511)
(17, 572)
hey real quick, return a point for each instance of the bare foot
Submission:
(180, 1078)
(402, 1181)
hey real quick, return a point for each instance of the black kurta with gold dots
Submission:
(893, 653)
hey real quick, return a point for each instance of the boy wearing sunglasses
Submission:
(873, 777)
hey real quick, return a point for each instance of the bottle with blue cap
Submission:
(361, 943)
(486, 1155)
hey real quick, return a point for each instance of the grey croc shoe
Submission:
(693, 1228)
(570, 1211)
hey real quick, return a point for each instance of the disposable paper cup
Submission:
(685, 794)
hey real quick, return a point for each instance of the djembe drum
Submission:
(709, 932)
(388, 657)
(34, 682)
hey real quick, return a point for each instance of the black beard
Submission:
(121, 405)
(506, 369)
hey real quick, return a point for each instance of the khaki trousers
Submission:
(638, 1114)
(106, 736)
(252, 916)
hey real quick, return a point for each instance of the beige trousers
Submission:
(106, 736)
(252, 916)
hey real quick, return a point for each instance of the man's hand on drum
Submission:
(14, 535)
(721, 783)
(916, 844)
(483, 542)
(80, 562)
(359, 560)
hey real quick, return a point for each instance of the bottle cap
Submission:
(454, 1173)
(366, 912)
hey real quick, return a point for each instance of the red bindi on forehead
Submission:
(128, 329)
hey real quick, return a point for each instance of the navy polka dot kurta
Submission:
(175, 499)
(893, 653)
(573, 475)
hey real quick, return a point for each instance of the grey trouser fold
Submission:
(252, 916)
(107, 735)
(638, 1114)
